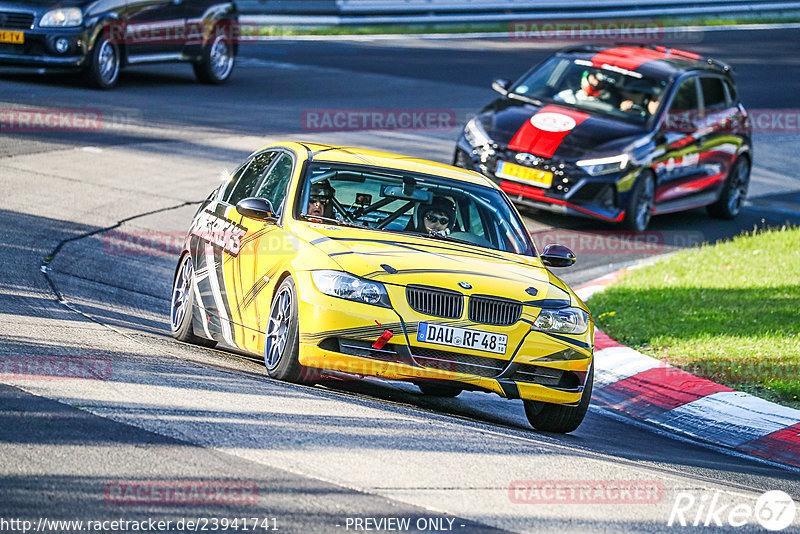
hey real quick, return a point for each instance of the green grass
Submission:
(390, 29)
(729, 312)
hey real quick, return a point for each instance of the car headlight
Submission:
(62, 18)
(475, 134)
(563, 321)
(346, 286)
(603, 165)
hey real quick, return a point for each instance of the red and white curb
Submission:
(658, 393)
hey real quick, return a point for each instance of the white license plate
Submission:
(462, 337)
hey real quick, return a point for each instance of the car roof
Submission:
(649, 60)
(387, 160)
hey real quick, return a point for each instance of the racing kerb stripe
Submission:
(530, 138)
(628, 57)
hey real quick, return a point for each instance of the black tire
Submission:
(558, 417)
(182, 304)
(104, 62)
(282, 341)
(639, 208)
(218, 58)
(435, 389)
(733, 192)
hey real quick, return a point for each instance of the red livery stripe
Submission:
(657, 390)
(627, 57)
(783, 445)
(531, 139)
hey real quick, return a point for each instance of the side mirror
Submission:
(501, 86)
(557, 256)
(257, 208)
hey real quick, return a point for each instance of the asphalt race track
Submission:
(321, 456)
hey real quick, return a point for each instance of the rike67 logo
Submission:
(774, 510)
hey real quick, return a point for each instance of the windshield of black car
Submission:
(410, 203)
(607, 89)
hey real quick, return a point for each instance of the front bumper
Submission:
(572, 192)
(536, 366)
(38, 49)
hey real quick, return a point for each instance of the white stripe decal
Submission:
(729, 418)
(617, 363)
(203, 316)
(217, 294)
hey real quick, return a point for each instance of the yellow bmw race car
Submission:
(329, 258)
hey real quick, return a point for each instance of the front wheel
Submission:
(216, 63)
(733, 192)
(639, 208)
(102, 70)
(282, 343)
(558, 417)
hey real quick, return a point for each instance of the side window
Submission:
(713, 94)
(273, 188)
(250, 177)
(232, 181)
(685, 97)
(732, 92)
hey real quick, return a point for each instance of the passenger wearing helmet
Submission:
(438, 217)
(319, 200)
(598, 86)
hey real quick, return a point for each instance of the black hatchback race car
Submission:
(616, 133)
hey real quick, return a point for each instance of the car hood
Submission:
(595, 135)
(402, 260)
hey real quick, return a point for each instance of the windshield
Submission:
(622, 93)
(409, 203)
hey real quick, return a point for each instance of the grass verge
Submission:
(729, 312)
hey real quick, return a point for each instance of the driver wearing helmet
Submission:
(438, 217)
(319, 200)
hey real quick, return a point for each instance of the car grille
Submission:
(458, 363)
(494, 311)
(15, 21)
(537, 374)
(435, 301)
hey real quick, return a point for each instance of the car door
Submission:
(264, 250)
(215, 241)
(678, 167)
(719, 145)
(155, 29)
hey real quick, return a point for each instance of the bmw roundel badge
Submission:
(464, 285)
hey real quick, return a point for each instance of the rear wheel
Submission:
(182, 304)
(217, 60)
(282, 344)
(639, 208)
(439, 390)
(733, 192)
(558, 417)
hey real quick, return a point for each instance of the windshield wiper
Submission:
(314, 218)
(522, 98)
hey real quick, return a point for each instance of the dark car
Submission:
(102, 36)
(616, 133)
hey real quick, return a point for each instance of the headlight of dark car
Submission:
(599, 166)
(66, 17)
(476, 135)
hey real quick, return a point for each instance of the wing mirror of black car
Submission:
(501, 86)
(557, 256)
(257, 208)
